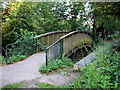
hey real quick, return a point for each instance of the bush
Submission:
(2, 60)
(55, 64)
(15, 58)
(103, 72)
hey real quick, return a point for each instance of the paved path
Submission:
(27, 71)
(23, 70)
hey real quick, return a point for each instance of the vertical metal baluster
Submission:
(46, 58)
(6, 55)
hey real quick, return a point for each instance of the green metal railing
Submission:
(54, 51)
(20, 50)
(64, 45)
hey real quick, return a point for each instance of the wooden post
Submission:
(63, 47)
(53, 38)
(48, 40)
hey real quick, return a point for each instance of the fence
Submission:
(20, 50)
(67, 44)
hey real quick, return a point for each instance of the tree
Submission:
(73, 13)
(106, 18)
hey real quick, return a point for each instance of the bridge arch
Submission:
(68, 44)
(59, 44)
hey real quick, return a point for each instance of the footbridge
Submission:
(56, 45)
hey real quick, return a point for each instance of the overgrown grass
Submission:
(55, 64)
(38, 85)
(15, 58)
(15, 85)
(44, 85)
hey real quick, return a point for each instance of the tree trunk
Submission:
(94, 30)
(107, 34)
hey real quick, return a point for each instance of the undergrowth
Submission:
(46, 85)
(15, 58)
(103, 72)
(15, 85)
(55, 64)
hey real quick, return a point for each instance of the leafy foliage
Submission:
(106, 18)
(21, 50)
(14, 58)
(55, 64)
(22, 20)
(15, 85)
(103, 72)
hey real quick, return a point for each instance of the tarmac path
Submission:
(23, 70)
(27, 71)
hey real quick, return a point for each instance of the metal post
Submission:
(6, 55)
(61, 47)
(46, 58)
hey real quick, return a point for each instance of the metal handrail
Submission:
(61, 42)
(35, 41)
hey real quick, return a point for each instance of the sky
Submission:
(4, 4)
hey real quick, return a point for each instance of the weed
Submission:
(56, 64)
(43, 85)
(103, 72)
(15, 85)
(65, 73)
(15, 58)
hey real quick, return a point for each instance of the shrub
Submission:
(15, 58)
(55, 64)
(103, 72)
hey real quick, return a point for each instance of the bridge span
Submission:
(56, 45)
(59, 44)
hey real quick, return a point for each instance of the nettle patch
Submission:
(56, 64)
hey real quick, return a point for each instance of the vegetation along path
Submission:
(27, 71)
